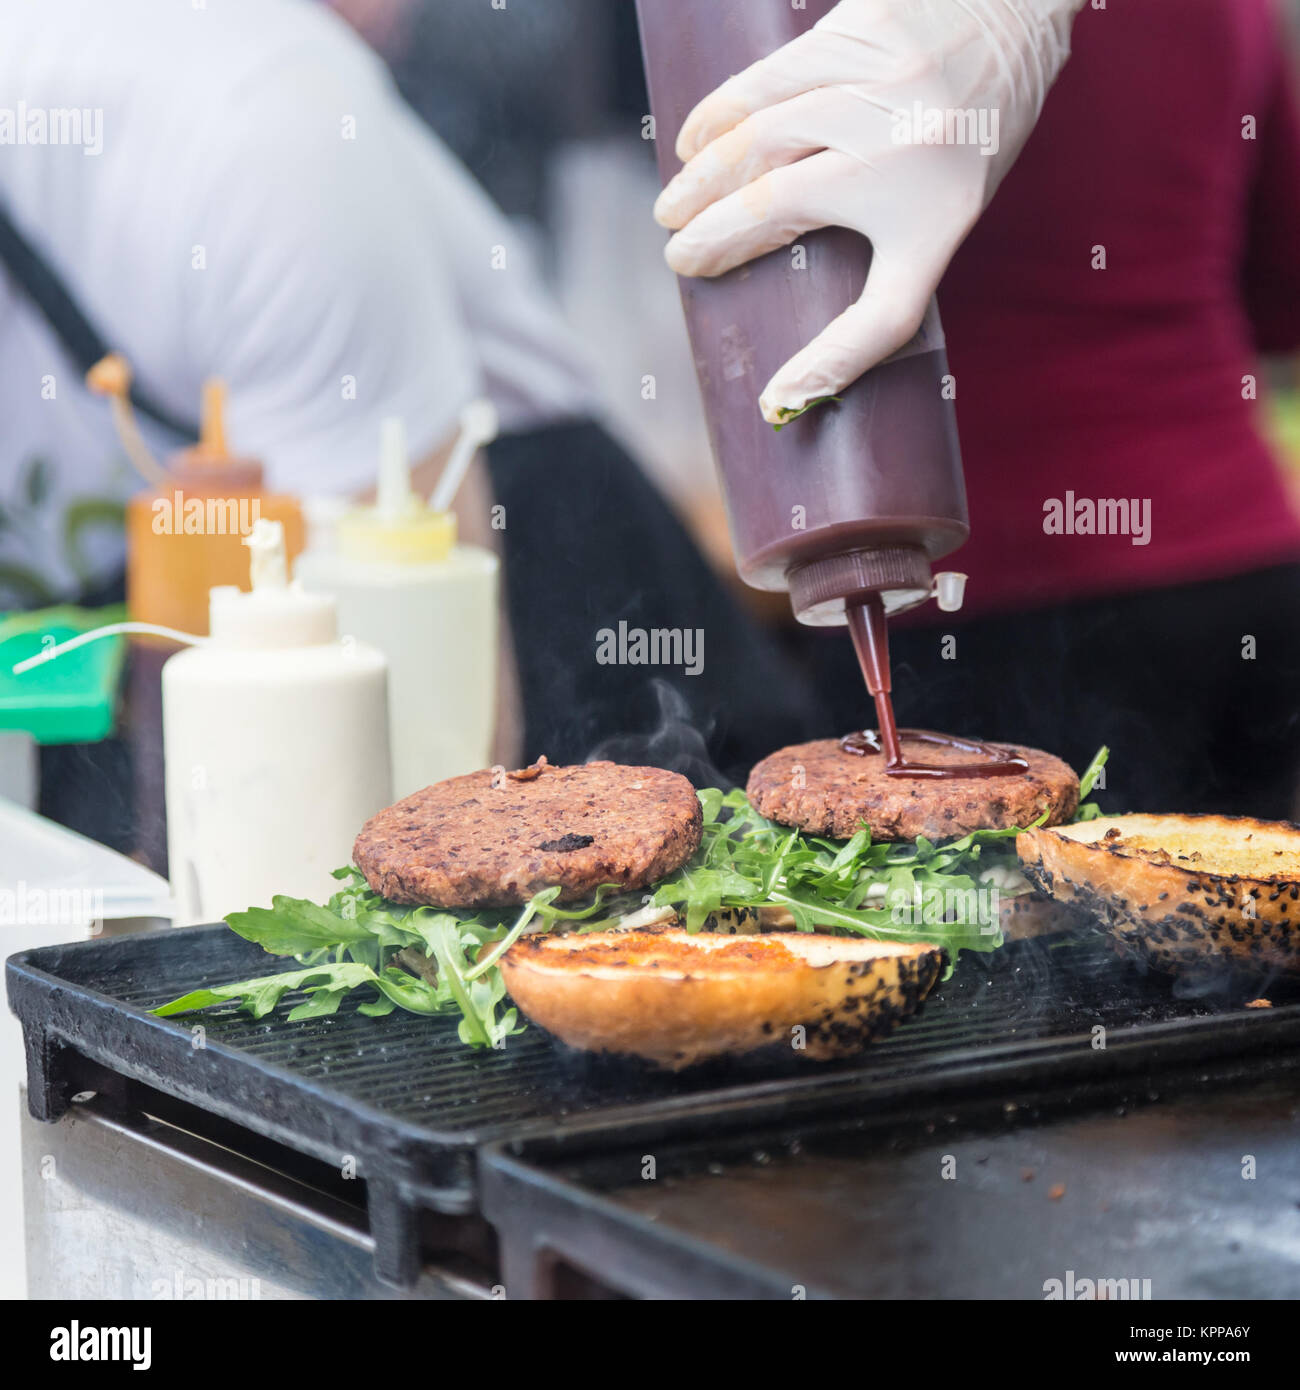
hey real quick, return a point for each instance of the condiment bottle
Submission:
(403, 584)
(276, 744)
(858, 496)
(184, 532)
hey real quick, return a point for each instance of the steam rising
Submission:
(675, 743)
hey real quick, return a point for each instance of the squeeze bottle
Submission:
(404, 585)
(276, 745)
(184, 532)
(853, 500)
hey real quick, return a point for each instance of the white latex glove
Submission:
(810, 137)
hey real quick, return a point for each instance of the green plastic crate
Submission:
(71, 699)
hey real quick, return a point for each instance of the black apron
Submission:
(593, 555)
(111, 791)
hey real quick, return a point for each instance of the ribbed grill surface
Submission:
(416, 1069)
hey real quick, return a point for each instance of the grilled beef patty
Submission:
(469, 843)
(825, 791)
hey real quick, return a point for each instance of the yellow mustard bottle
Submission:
(405, 585)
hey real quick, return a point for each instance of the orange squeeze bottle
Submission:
(185, 532)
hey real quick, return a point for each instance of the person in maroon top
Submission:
(1170, 144)
(1134, 558)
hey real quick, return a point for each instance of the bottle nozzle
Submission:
(399, 529)
(212, 420)
(950, 590)
(268, 565)
(108, 630)
(478, 426)
(393, 493)
(111, 377)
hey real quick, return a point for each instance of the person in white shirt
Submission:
(243, 194)
(248, 197)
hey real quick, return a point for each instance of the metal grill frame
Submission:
(89, 1000)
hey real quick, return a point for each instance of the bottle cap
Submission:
(274, 613)
(819, 590)
(400, 529)
(212, 422)
(950, 590)
(209, 465)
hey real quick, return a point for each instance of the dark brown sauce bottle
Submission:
(846, 507)
(870, 632)
(860, 494)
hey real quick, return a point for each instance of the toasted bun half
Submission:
(676, 999)
(1182, 891)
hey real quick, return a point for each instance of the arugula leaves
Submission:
(294, 927)
(891, 892)
(354, 943)
(428, 961)
(260, 996)
(1089, 810)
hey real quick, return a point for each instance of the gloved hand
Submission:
(831, 130)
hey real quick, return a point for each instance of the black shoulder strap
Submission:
(47, 292)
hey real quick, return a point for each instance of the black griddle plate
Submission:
(413, 1106)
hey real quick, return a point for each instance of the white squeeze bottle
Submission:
(276, 745)
(404, 585)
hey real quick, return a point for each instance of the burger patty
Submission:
(825, 791)
(469, 843)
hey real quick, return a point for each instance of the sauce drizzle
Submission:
(870, 635)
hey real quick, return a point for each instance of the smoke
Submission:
(1226, 986)
(676, 743)
(1213, 982)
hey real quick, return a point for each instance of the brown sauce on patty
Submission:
(870, 633)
